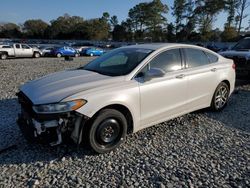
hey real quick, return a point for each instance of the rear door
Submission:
(18, 50)
(202, 75)
(164, 97)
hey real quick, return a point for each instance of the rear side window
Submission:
(212, 58)
(168, 61)
(195, 58)
(18, 46)
(6, 47)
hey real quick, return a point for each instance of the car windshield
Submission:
(118, 62)
(242, 45)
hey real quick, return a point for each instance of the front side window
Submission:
(25, 47)
(168, 61)
(195, 58)
(118, 62)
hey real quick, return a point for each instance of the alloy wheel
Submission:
(221, 97)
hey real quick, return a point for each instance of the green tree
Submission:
(113, 21)
(229, 34)
(183, 10)
(148, 18)
(35, 28)
(179, 10)
(242, 6)
(94, 29)
(206, 12)
(105, 16)
(64, 27)
(231, 7)
(171, 33)
(10, 30)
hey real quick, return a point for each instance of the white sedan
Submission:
(124, 91)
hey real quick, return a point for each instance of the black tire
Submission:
(58, 55)
(91, 54)
(37, 55)
(108, 131)
(220, 97)
(3, 56)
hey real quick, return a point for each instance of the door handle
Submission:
(180, 76)
(214, 70)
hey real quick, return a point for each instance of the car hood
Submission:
(232, 53)
(57, 86)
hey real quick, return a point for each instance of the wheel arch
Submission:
(4, 52)
(226, 82)
(124, 110)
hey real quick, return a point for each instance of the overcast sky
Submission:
(18, 11)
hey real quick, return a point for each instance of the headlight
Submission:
(59, 107)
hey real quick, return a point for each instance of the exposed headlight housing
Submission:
(60, 107)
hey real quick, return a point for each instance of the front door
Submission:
(27, 51)
(164, 97)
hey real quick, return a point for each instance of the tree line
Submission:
(147, 21)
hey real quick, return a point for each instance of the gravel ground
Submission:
(201, 149)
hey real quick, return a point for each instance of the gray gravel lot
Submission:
(201, 149)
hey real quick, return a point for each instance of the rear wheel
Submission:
(58, 55)
(220, 97)
(3, 56)
(108, 131)
(91, 54)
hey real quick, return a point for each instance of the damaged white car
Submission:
(123, 91)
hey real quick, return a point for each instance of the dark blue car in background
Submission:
(64, 51)
(92, 51)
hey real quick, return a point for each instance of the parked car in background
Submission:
(240, 53)
(92, 51)
(81, 48)
(18, 50)
(213, 47)
(46, 51)
(64, 51)
(124, 91)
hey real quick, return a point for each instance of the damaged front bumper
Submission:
(49, 128)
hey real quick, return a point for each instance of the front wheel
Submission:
(108, 131)
(91, 54)
(220, 97)
(37, 55)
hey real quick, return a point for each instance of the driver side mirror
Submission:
(154, 73)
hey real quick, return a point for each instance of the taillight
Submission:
(234, 66)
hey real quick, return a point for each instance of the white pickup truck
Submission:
(18, 50)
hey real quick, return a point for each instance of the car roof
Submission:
(157, 46)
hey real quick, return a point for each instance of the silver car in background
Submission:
(124, 91)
